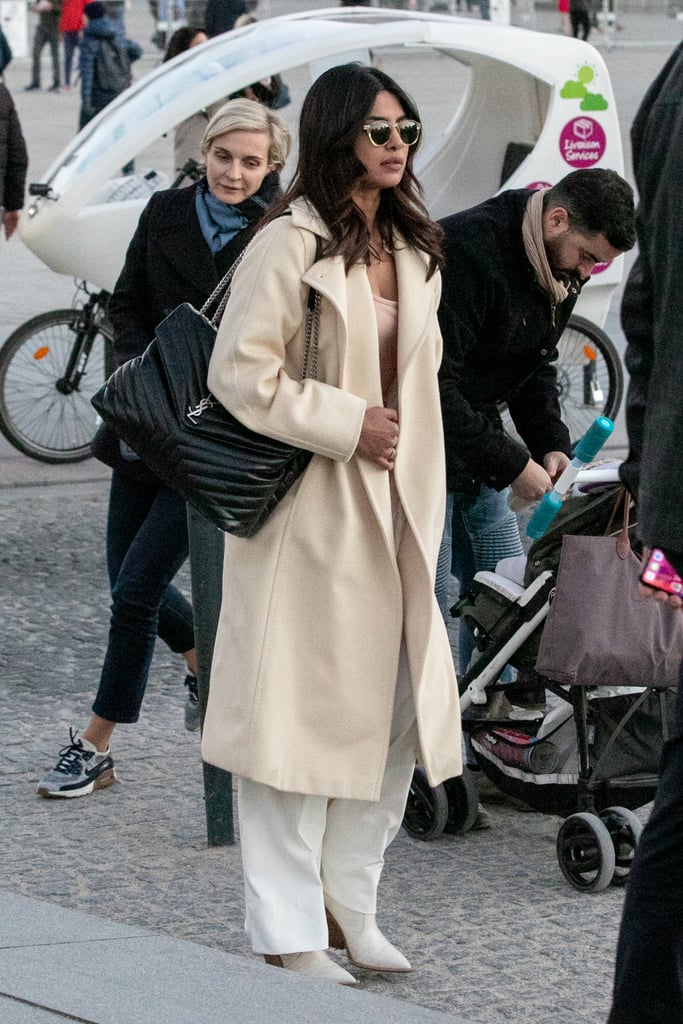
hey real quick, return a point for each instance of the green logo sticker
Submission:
(577, 89)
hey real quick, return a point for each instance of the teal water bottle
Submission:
(585, 451)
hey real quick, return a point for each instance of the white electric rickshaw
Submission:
(502, 108)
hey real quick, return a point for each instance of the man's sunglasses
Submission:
(379, 131)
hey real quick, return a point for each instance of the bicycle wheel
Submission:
(38, 415)
(589, 376)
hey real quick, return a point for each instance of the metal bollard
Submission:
(206, 568)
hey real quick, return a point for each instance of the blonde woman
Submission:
(185, 242)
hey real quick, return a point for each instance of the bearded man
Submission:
(515, 266)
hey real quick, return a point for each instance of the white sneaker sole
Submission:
(102, 781)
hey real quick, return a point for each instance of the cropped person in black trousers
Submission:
(579, 15)
(648, 986)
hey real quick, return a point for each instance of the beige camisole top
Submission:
(386, 311)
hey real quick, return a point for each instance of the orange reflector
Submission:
(41, 352)
(590, 353)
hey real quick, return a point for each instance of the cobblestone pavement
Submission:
(494, 931)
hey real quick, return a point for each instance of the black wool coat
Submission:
(168, 262)
(652, 314)
(500, 334)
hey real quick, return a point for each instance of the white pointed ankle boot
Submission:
(364, 943)
(316, 964)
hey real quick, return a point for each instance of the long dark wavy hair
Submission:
(332, 117)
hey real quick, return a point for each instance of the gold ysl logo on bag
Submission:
(194, 414)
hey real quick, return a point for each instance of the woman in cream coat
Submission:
(332, 670)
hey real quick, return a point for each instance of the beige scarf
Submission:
(532, 234)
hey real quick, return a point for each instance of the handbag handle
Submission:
(222, 289)
(623, 543)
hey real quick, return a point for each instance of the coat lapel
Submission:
(184, 245)
(412, 316)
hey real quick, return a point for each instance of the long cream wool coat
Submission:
(315, 605)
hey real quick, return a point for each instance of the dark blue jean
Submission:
(71, 40)
(648, 984)
(146, 546)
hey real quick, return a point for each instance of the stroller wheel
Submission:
(463, 803)
(426, 811)
(624, 827)
(585, 852)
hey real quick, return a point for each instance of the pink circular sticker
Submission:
(535, 185)
(582, 142)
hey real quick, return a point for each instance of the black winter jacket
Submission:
(13, 155)
(652, 314)
(169, 262)
(500, 334)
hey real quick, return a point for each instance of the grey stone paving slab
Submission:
(14, 1012)
(91, 971)
(30, 922)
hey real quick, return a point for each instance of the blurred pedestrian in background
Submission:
(47, 34)
(70, 25)
(580, 17)
(188, 135)
(271, 90)
(565, 20)
(106, 57)
(13, 163)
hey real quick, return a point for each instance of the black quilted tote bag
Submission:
(159, 403)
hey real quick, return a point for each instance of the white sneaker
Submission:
(81, 768)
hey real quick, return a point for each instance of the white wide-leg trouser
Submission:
(295, 846)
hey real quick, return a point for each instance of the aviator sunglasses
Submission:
(379, 131)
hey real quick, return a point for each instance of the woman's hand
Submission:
(379, 437)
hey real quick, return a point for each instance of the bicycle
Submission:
(49, 369)
(51, 365)
(590, 378)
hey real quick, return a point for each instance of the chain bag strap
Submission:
(221, 294)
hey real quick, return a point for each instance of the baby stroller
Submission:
(591, 758)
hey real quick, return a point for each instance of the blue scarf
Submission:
(219, 221)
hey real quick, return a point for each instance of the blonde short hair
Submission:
(249, 116)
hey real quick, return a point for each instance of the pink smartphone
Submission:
(660, 574)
